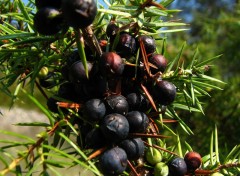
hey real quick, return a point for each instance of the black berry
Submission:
(48, 3)
(159, 61)
(116, 104)
(149, 43)
(177, 167)
(126, 45)
(138, 121)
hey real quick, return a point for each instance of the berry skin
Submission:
(161, 169)
(111, 27)
(126, 45)
(113, 161)
(111, 64)
(94, 109)
(48, 3)
(115, 127)
(137, 102)
(133, 147)
(153, 157)
(164, 92)
(159, 61)
(149, 43)
(48, 21)
(94, 139)
(79, 13)
(138, 121)
(193, 161)
(116, 104)
(177, 167)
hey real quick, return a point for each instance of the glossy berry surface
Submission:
(138, 121)
(116, 104)
(164, 92)
(133, 147)
(193, 160)
(111, 27)
(77, 71)
(111, 64)
(159, 61)
(115, 127)
(94, 109)
(113, 161)
(149, 43)
(137, 102)
(47, 21)
(177, 167)
(79, 13)
(126, 45)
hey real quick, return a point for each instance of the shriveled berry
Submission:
(193, 160)
(113, 161)
(177, 167)
(133, 147)
(111, 64)
(94, 109)
(149, 43)
(153, 156)
(79, 13)
(138, 121)
(126, 45)
(161, 169)
(137, 102)
(116, 104)
(94, 139)
(48, 21)
(115, 127)
(48, 3)
(159, 61)
(164, 92)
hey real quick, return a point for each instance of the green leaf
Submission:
(17, 135)
(203, 63)
(39, 124)
(115, 12)
(163, 24)
(23, 10)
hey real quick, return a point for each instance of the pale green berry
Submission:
(153, 157)
(161, 169)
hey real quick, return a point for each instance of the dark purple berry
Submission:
(79, 13)
(48, 3)
(48, 21)
(113, 161)
(159, 61)
(193, 161)
(111, 64)
(116, 104)
(149, 43)
(94, 109)
(133, 147)
(67, 91)
(94, 139)
(137, 102)
(52, 104)
(126, 45)
(111, 27)
(77, 71)
(177, 167)
(164, 92)
(138, 121)
(115, 127)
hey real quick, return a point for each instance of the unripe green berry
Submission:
(43, 72)
(217, 174)
(153, 157)
(161, 169)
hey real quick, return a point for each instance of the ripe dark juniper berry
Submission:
(149, 43)
(48, 21)
(115, 127)
(193, 161)
(126, 45)
(111, 28)
(159, 61)
(95, 139)
(164, 92)
(137, 102)
(177, 167)
(79, 13)
(94, 109)
(111, 64)
(133, 147)
(116, 104)
(138, 121)
(113, 161)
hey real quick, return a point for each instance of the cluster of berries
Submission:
(113, 99)
(54, 15)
